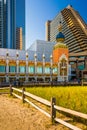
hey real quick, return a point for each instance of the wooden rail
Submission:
(72, 127)
(41, 100)
(72, 112)
(17, 96)
(4, 88)
(51, 104)
(41, 110)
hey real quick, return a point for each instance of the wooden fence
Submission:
(53, 107)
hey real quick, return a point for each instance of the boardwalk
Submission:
(16, 116)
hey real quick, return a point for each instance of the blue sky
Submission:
(39, 11)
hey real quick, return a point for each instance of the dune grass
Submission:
(4, 90)
(70, 97)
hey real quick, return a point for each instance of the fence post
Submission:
(11, 90)
(23, 96)
(53, 110)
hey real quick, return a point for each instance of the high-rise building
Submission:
(20, 18)
(47, 26)
(2, 24)
(74, 29)
(12, 15)
(11, 24)
(19, 38)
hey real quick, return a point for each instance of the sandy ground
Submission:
(16, 116)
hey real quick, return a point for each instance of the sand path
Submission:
(16, 116)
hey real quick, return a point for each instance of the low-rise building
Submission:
(43, 61)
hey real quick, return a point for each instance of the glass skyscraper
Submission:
(11, 24)
(12, 16)
(2, 24)
(8, 24)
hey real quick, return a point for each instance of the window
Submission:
(39, 70)
(72, 57)
(71, 63)
(31, 69)
(22, 69)
(55, 70)
(81, 67)
(2, 68)
(12, 69)
(47, 70)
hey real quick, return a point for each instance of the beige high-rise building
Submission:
(19, 38)
(47, 27)
(74, 29)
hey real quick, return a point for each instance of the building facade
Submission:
(16, 68)
(32, 65)
(74, 29)
(19, 38)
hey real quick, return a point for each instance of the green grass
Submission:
(4, 90)
(70, 97)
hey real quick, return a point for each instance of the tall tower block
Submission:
(60, 48)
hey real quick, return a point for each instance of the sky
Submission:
(39, 11)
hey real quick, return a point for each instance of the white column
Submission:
(43, 57)
(17, 63)
(35, 63)
(7, 67)
(26, 67)
(51, 69)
